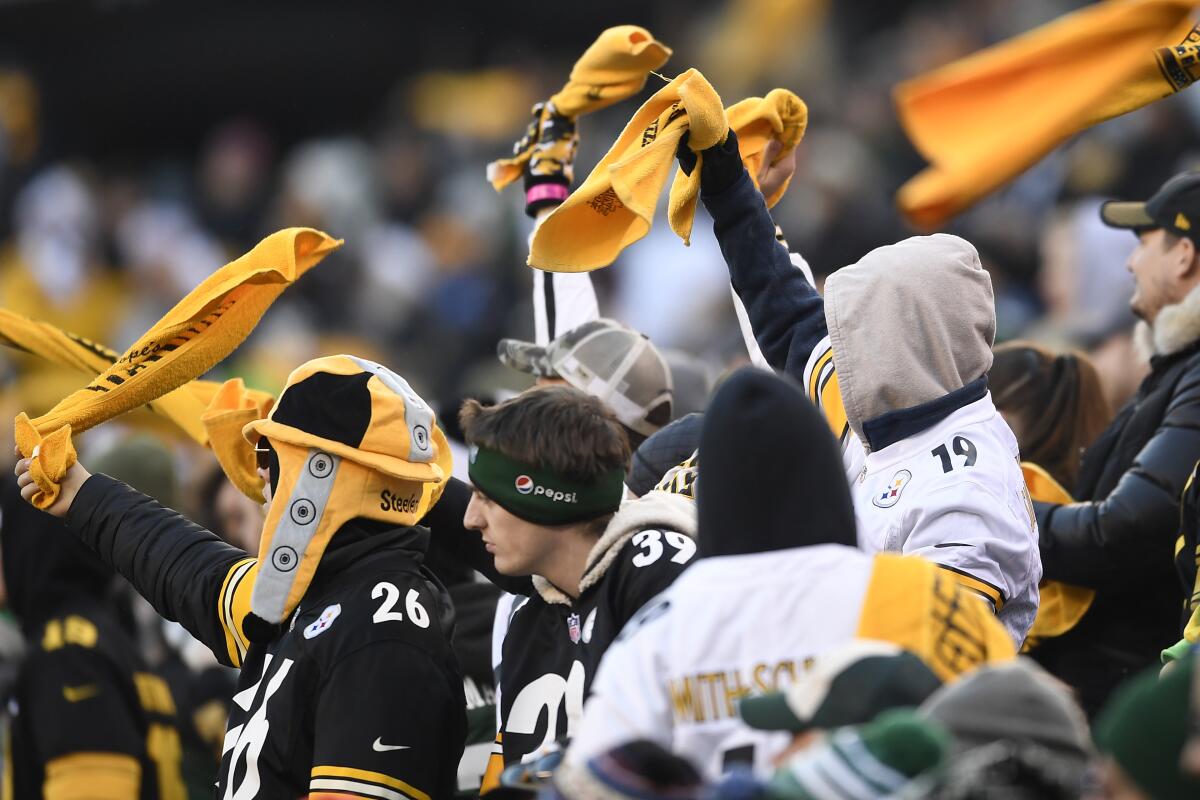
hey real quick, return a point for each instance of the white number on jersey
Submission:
(246, 740)
(416, 612)
(651, 543)
(547, 693)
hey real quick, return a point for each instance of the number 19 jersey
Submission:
(954, 493)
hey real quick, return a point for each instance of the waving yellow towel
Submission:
(203, 328)
(782, 116)
(615, 206)
(613, 68)
(231, 409)
(185, 406)
(983, 120)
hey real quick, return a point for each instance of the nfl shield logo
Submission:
(574, 628)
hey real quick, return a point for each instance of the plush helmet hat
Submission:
(353, 440)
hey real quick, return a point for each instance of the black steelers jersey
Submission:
(358, 693)
(87, 718)
(551, 649)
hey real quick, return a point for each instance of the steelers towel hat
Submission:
(609, 361)
(352, 440)
(850, 685)
(361, 411)
(1175, 207)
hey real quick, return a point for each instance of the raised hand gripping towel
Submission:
(782, 116)
(203, 328)
(983, 120)
(615, 206)
(184, 406)
(613, 68)
(233, 407)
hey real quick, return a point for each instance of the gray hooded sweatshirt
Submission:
(896, 356)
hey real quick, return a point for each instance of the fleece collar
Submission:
(1176, 328)
(657, 510)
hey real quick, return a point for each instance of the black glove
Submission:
(722, 164)
(551, 141)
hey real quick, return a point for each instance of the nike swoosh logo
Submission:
(76, 693)
(380, 747)
(954, 544)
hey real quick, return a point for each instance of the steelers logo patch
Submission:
(303, 512)
(890, 494)
(320, 465)
(284, 559)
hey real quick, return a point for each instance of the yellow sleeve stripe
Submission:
(994, 595)
(814, 379)
(495, 765)
(92, 776)
(375, 784)
(233, 604)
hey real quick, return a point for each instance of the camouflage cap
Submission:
(607, 360)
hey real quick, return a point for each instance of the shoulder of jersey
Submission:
(82, 629)
(390, 607)
(653, 550)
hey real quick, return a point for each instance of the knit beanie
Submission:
(639, 769)
(145, 464)
(1144, 727)
(871, 761)
(1016, 701)
(772, 474)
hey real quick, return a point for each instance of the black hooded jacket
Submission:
(1121, 539)
(82, 689)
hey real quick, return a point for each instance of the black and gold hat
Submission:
(353, 440)
(1175, 207)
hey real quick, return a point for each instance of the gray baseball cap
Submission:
(609, 361)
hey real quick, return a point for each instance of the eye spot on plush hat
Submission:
(284, 559)
(303, 511)
(320, 465)
(421, 437)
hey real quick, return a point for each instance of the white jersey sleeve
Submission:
(561, 300)
(985, 540)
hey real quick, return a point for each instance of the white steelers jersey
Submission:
(737, 626)
(954, 493)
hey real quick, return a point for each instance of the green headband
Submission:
(540, 496)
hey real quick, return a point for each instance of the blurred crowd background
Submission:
(145, 143)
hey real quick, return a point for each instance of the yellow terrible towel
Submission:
(615, 206)
(203, 328)
(184, 406)
(983, 120)
(1062, 605)
(613, 68)
(231, 409)
(782, 116)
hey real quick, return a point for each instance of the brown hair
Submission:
(557, 428)
(1055, 402)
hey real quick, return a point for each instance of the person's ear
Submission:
(1185, 261)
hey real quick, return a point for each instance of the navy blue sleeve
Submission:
(786, 312)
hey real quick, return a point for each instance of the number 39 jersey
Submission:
(553, 645)
(954, 493)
